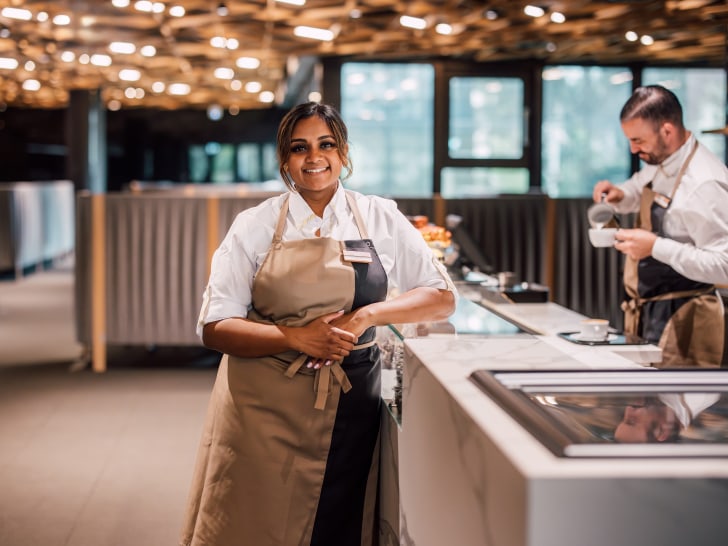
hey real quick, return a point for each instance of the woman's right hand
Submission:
(322, 341)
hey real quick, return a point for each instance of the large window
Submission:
(226, 163)
(581, 138)
(486, 137)
(702, 93)
(389, 110)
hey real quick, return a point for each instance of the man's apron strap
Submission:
(633, 307)
(325, 376)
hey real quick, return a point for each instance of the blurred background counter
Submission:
(36, 225)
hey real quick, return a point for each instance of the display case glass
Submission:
(617, 413)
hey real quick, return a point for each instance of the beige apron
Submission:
(692, 334)
(268, 431)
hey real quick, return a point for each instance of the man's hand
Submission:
(611, 193)
(635, 243)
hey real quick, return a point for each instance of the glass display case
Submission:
(469, 318)
(617, 413)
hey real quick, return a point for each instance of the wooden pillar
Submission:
(98, 282)
(213, 230)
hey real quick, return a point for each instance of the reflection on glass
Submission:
(617, 413)
(669, 417)
(389, 110)
(480, 181)
(486, 118)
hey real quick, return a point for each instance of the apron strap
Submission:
(633, 307)
(357, 215)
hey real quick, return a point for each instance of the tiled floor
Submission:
(93, 459)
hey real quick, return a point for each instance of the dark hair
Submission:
(655, 104)
(303, 111)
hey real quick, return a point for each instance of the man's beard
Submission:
(658, 155)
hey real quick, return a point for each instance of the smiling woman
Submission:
(296, 291)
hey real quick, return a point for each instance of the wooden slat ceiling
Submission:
(684, 32)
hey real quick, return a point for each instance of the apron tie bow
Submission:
(325, 376)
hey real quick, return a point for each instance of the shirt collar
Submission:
(303, 216)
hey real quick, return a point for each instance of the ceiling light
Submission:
(129, 75)
(222, 10)
(99, 59)
(217, 41)
(267, 96)
(8, 64)
(631, 36)
(114, 105)
(314, 33)
(647, 40)
(214, 112)
(412, 22)
(68, 56)
(236, 85)
(224, 73)
(558, 17)
(158, 87)
(253, 87)
(232, 43)
(29, 66)
(533, 11)
(178, 89)
(177, 11)
(61, 20)
(120, 3)
(143, 5)
(16, 13)
(31, 85)
(292, 2)
(247, 62)
(443, 28)
(491, 15)
(148, 51)
(124, 48)
(42, 16)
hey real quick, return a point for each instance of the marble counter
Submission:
(549, 319)
(469, 474)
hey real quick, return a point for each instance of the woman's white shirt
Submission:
(405, 256)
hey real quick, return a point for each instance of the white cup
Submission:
(594, 329)
(602, 237)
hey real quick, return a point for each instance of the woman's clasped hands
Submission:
(324, 342)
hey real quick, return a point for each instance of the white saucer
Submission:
(578, 337)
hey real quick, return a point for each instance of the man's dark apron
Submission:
(684, 317)
(285, 458)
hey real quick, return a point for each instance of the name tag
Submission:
(662, 200)
(357, 256)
